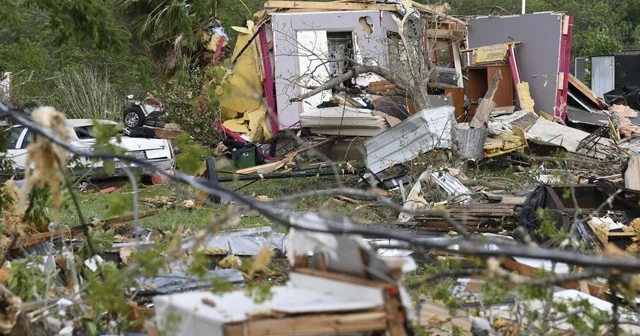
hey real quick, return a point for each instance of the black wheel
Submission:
(133, 117)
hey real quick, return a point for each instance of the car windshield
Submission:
(86, 132)
(14, 135)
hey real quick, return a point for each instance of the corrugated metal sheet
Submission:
(602, 74)
(420, 133)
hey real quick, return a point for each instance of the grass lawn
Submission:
(98, 205)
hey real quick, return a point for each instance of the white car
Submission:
(158, 152)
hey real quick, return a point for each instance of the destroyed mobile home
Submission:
(424, 100)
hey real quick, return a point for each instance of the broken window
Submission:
(341, 53)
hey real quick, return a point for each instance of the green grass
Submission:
(99, 205)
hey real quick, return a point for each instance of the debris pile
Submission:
(522, 154)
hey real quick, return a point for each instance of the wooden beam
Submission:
(337, 6)
(445, 34)
(508, 43)
(310, 325)
(526, 270)
(575, 82)
(342, 277)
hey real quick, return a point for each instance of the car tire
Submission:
(133, 117)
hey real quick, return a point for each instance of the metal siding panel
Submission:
(602, 75)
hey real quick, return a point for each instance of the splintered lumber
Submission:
(44, 236)
(526, 270)
(486, 218)
(311, 325)
(483, 112)
(328, 5)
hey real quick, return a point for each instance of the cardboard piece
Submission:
(392, 121)
(492, 53)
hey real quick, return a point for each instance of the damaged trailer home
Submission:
(292, 48)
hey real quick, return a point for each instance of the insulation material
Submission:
(236, 125)
(243, 242)
(242, 91)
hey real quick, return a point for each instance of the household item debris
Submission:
(242, 242)
(341, 293)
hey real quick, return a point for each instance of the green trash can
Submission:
(245, 157)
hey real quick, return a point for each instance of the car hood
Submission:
(127, 143)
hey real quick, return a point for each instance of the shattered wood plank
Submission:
(343, 278)
(508, 44)
(128, 218)
(513, 200)
(44, 236)
(483, 112)
(311, 325)
(328, 5)
(526, 270)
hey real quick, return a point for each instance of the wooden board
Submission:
(311, 325)
(513, 200)
(576, 83)
(328, 5)
(445, 34)
(526, 270)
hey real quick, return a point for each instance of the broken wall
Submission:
(542, 57)
(301, 52)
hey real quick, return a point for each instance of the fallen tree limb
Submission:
(358, 70)
(44, 236)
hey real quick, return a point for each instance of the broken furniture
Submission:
(483, 218)
(480, 77)
(588, 197)
(543, 58)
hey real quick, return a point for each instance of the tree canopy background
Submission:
(149, 45)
